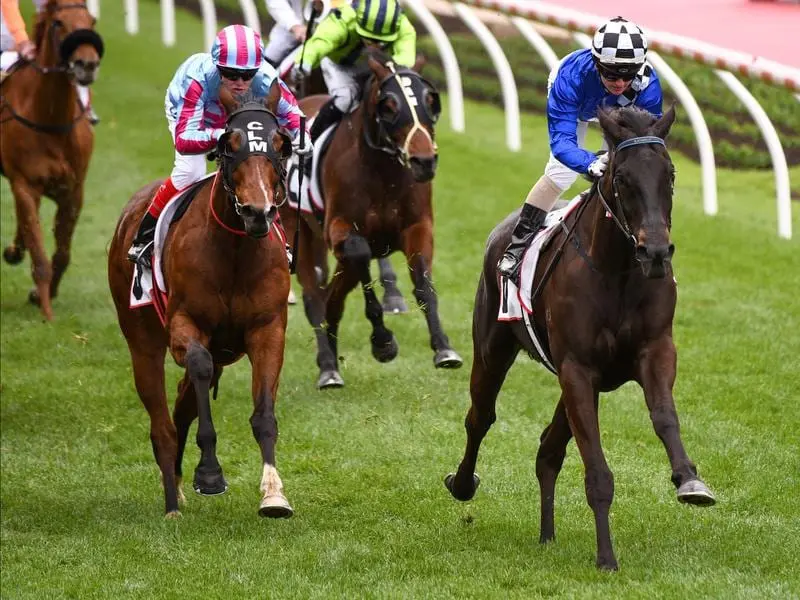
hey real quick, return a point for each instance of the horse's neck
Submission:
(387, 169)
(53, 98)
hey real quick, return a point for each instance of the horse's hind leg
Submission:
(418, 248)
(183, 414)
(188, 347)
(27, 201)
(393, 301)
(66, 218)
(552, 449)
(265, 347)
(494, 351)
(656, 373)
(14, 253)
(579, 395)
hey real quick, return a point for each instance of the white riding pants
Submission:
(341, 83)
(281, 43)
(187, 168)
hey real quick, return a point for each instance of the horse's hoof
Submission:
(449, 482)
(209, 484)
(172, 515)
(696, 492)
(13, 255)
(394, 304)
(292, 299)
(385, 352)
(275, 507)
(33, 297)
(447, 359)
(330, 379)
(607, 564)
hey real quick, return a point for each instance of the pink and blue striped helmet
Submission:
(237, 47)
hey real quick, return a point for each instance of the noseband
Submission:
(385, 143)
(619, 215)
(68, 45)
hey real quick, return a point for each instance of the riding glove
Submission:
(307, 149)
(598, 167)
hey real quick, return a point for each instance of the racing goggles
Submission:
(234, 74)
(617, 75)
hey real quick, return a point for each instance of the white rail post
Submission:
(504, 73)
(455, 93)
(132, 16)
(93, 6)
(209, 13)
(168, 22)
(536, 40)
(250, 15)
(775, 151)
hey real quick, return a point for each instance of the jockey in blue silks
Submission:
(613, 72)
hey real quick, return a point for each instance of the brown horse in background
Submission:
(605, 318)
(376, 180)
(46, 140)
(226, 269)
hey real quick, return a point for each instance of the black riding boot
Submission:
(328, 115)
(141, 251)
(530, 221)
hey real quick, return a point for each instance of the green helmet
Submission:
(378, 19)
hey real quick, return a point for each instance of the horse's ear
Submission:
(614, 131)
(381, 71)
(227, 100)
(661, 127)
(420, 63)
(273, 97)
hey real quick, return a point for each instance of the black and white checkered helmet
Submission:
(619, 43)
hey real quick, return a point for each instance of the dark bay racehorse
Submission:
(376, 179)
(605, 316)
(46, 140)
(228, 277)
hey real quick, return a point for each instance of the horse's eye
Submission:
(433, 105)
(388, 109)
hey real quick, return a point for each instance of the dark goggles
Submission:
(614, 75)
(234, 74)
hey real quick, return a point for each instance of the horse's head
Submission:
(641, 176)
(252, 156)
(65, 30)
(405, 108)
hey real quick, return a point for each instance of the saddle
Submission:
(311, 198)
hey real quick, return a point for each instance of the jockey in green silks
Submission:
(339, 42)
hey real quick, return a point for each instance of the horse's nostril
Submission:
(671, 250)
(641, 251)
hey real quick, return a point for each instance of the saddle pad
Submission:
(143, 294)
(311, 198)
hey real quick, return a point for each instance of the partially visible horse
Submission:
(604, 317)
(376, 181)
(227, 275)
(46, 140)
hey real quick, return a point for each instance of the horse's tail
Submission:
(487, 296)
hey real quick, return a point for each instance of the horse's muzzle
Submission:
(423, 168)
(257, 223)
(654, 259)
(85, 72)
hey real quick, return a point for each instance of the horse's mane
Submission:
(634, 119)
(248, 98)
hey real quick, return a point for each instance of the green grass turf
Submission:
(81, 501)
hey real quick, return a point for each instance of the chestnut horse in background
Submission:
(604, 317)
(227, 274)
(46, 140)
(376, 182)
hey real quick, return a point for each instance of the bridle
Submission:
(65, 49)
(618, 215)
(385, 143)
(254, 145)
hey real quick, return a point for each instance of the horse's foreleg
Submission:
(27, 203)
(418, 248)
(188, 348)
(494, 351)
(265, 347)
(393, 302)
(148, 374)
(183, 414)
(552, 450)
(69, 209)
(578, 394)
(656, 374)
